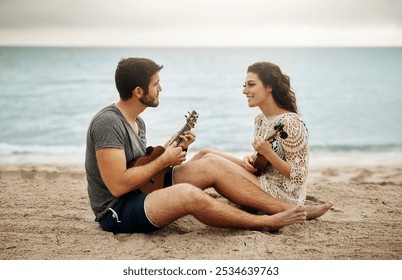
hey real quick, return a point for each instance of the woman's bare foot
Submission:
(294, 215)
(315, 211)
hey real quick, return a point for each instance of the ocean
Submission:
(349, 98)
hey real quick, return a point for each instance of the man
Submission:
(116, 136)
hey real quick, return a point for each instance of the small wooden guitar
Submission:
(153, 153)
(260, 162)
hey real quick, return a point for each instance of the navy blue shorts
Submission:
(128, 214)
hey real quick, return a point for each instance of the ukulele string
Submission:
(181, 132)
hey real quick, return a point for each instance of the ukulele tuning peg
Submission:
(278, 126)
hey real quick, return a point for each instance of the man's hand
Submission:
(173, 155)
(187, 139)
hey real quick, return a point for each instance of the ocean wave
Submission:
(320, 155)
(362, 148)
(41, 154)
(21, 149)
(14, 149)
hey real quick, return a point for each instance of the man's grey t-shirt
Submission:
(109, 129)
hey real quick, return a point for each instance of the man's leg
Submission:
(169, 204)
(236, 184)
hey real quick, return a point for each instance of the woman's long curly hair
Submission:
(271, 75)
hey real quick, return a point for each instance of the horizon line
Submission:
(195, 47)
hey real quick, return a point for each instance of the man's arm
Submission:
(120, 180)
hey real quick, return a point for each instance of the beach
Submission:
(50, 94)
(45, 215)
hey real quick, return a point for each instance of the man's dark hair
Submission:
(134, 72)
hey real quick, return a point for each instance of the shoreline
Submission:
(318, 157)
(45, 214)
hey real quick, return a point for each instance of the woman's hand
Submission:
(263, 147)
(247, 164)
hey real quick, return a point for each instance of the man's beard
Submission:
(149, 101)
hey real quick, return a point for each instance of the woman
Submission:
(285, 177)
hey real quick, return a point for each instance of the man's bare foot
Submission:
(315, 211)
(294, 215)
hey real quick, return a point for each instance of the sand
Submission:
(45, 214)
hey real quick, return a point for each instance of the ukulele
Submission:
(153, 153)
(260, 162)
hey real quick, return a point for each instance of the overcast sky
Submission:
(201, 22)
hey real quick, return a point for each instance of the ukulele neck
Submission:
(176, 138)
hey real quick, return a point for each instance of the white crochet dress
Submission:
(294, 150)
